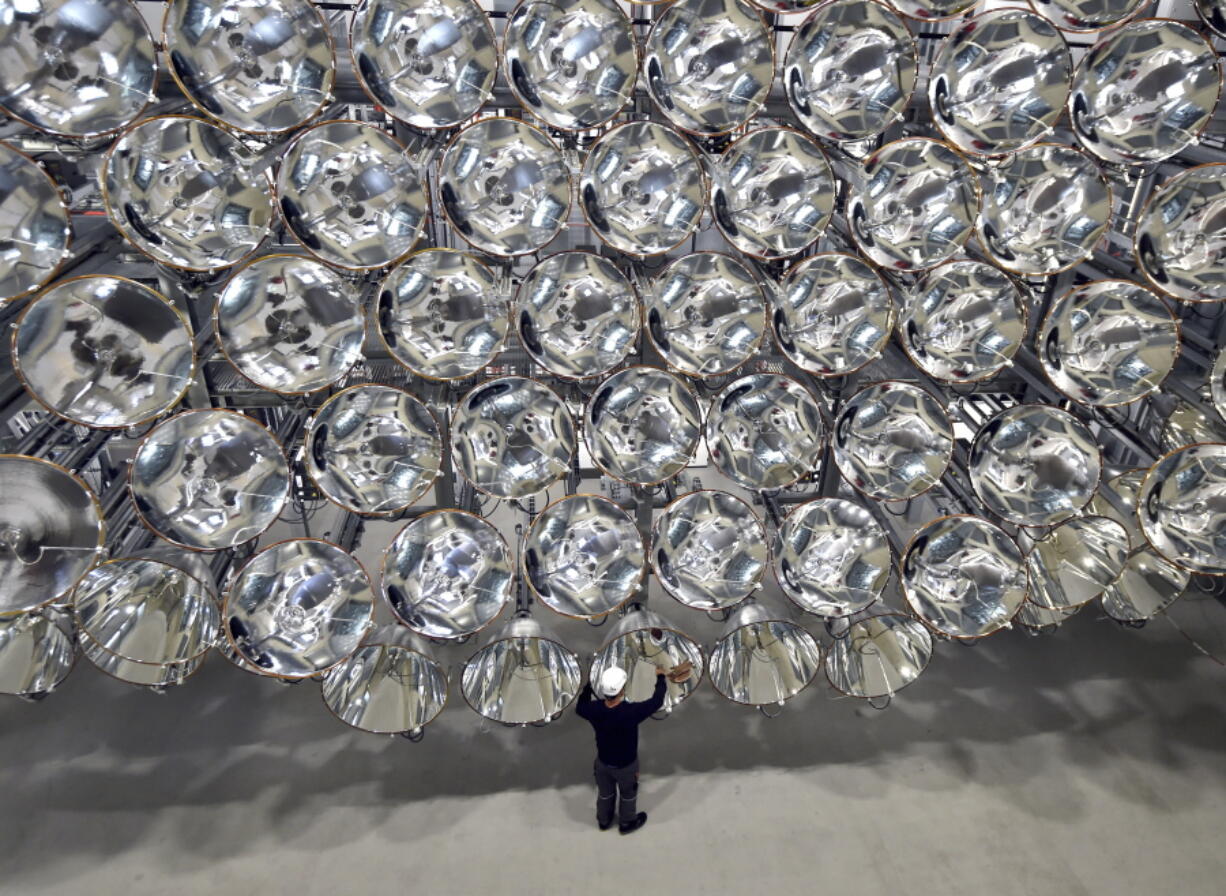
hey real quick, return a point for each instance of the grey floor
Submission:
(1091, 761)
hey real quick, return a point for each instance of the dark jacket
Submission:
(617, 728)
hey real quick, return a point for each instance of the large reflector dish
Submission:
(1180, 243)
(641, 642)
(34, 227)
(1076, 562)
(879, 656)
(1182, 508)
(37, 651)
(762, 658)
(389, 685)
(522, 675)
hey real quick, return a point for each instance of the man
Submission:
(617, 741)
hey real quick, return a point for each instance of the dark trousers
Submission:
(612, 782)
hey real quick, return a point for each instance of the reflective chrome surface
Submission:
(641, 641)
(447, 574)
(505, 187)
(1041, 619)
(572, 65)
(583, 556)
(832, 314)
(389, 685)
(290, 324)
(183, 191)
(1213, 14)
(879, 656)
(577, 314)
(708, 549)
(913, 204)
(964, 576)
(706, 314)
(642, 188)
(36, 652)
(1034, 465)
(146, 612)
(209, 480)
(1144, 92)
(1217, 385)
(34, 226)
(963, 322)
(764, 431)
(149, 675)
(429, 63)
(1076, 562)
(999, 81)
(831, 557)
(104, 351)
(521, 676)
(1044, 209)
(850, 69)
(709, 64)
(373, 449)
(1087, 15)
(772, 192)
(440, 314)
(1182, 508)
(1108, 342)
(892, 441)
(1187, 424)
(51, 532)
(298, 608)
(1179, 244)
(262, 66)
(76, 69)
(512, 437)
(352, 195)
(762, 658)
(642, 425)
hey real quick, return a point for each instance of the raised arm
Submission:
(583, 705)
(656, 702)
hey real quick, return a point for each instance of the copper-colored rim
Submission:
(388, 647)
(1136, 251)
(1141, 490)
(555, 643)
(1117, 577)
(72, 663)
(906, 617)
(44, 282)
(821, 661)
(193, 666)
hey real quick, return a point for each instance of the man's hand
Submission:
(681, 672)
(660, 670)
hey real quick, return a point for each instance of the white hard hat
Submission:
(612, 680)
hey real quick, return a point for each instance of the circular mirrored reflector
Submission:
(879, 656)
(1181, 235)
(763, 659)
(521, 676)
(35, 232)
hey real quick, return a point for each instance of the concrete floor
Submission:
(1092, 761)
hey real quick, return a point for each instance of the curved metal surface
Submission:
(1178, 240)
(1087, 15)
(642, 641)
(521, 676)
(879, 656)
(148, 675)
(1213, 14)
(1040, 619)
(1217, 385)
(1181, 508)
(37, 652)
(389, 685)
(1187, 424)
(762, 659)
(34, 225)
(1076, 562)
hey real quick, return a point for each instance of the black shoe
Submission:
(605, 825)
(639, 821)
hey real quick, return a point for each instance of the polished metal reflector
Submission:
(831, 557)
(262, 66)
(572, 65)
(583, 556)
(209, 480)
(1182, 508)
(1041, 619)
(1180, 244)
(35, 232)
(1217, 385)
(772, 193)
(428, 63)
(505, 187)
(37, 651)
(642, 188)
(352, 195)
(193, 563)
(892, 441)
(879, 656)
(764, 431)
(104, 351)
(1076, 562)
(642, 425)
(298, 608)
(913, 204)
(390, 685)
(441, 315)
(148, 675)
(850, 69)
(641, 642)
(1045, 208)
(577, 314)
(708, 549)
(709, 64)
(290, 324)
(964, 576)
(1087, 15)
(76, 68)
(1034, 465)
(1108, 342)
(1000, 81)
(51, 532)
(147, 613)
(706, 314)
(963, 322)
(832, 314)
(1213, 14)
(184, 192)
(762, 658)
(447, 574)
(1187, 424)
(512, 437)
(1144, 92)
(522, 675)
(373, 449)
